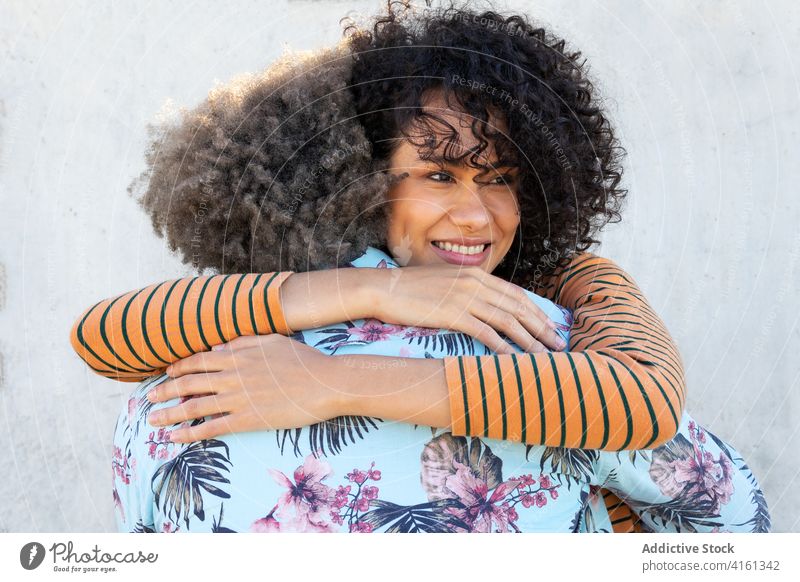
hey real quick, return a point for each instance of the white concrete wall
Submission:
(705, 96)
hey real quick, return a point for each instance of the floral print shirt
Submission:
(360, 474)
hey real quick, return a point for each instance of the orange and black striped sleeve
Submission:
(623, 519)
(138, 334)
(620, 386)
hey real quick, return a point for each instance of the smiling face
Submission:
(444, 212)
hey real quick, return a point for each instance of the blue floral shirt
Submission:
(360, 474)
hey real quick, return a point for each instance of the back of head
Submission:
(271, 172)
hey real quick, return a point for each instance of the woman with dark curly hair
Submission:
(475, 158)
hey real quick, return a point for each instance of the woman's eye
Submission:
(440, 177)
(502, 180)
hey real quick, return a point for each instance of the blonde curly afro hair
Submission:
(271, 172)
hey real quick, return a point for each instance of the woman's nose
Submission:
(468, 210)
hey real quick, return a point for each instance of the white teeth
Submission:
(461, 249)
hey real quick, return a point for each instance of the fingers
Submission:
(503, 321)
(214, 361)
(245, 341)
(539, 330)
(190, 385)
(206, 430)
(487, 335)
(190, 410)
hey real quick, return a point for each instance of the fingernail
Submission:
(169, 371)
(218, 347)
(561, 344)
(151, 396)
(154, 418)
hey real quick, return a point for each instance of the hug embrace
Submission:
(397, 324)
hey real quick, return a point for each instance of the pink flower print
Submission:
(120, 466)
(168, 527)
(357, 476)
(554, 493)
(478, 511)
(544, 482)
(370, 492)
(374, 474)
(699, 473)
(540, 499)
(695, 470)
(307, 501)
(512, 514)
(131, 409)
(336, 518)
(372, 330)
(525, 481)
(118, 504)
(267, 524)
(414, 332)
(341, 496)
(723, 487)
(361, 527)
(694, 473)
(361, 504)
(158, 440)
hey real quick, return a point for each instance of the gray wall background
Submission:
(705, 95)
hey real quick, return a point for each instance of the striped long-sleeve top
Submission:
(620, 385)
(137, 335)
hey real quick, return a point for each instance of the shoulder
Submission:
(580, 269)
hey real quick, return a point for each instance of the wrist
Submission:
(412, 390)
(342, 386)
(368, 286)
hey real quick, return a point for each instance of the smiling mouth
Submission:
(461, 249)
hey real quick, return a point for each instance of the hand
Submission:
(465, 299)
(252, 383)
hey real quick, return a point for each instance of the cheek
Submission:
(413, 217)
(506, 217)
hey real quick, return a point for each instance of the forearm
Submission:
(319, 298)
(410, 390)
(620, 386)
(133, 336)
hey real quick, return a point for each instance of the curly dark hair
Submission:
(249, 156)
(271, 172)
(488, 63)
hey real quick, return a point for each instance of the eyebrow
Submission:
(497, 165)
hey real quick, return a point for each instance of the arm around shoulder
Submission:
(136, 335)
